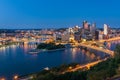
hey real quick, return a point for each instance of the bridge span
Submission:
(111, 39)
(107, 51)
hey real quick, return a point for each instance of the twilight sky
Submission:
(58, 13)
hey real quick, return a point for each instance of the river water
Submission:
(15, 59)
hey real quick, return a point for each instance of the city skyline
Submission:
(59, 40)
(25, 14)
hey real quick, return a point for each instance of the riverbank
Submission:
(37, 51)
(37, 62)
(47, 47)
(55, 70)
(61, 70)
(12, 43)
(71, 70)
(54, 50)
(91, 71)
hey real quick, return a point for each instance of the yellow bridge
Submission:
(98, 49)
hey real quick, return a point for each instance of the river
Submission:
(15, 59)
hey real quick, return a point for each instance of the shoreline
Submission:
(1, 46)
(52, 50)
(38, 51)
(82, 66)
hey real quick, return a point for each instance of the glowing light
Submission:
(15, 77)
(84, 40)
(2, 79)
(70, 67)
(31, 77)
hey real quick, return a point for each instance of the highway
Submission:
(88, 65)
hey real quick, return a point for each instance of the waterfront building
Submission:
(96, 35)
(85, 25)
(68, 35)
(100, 36)
(78, 35)
(3, 35)
(57, 36)
(46, 38)
(105, 29)
(65, 37)
(76, 29)
(93, 28)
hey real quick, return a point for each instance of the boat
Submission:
(47, 68)
(34, 51)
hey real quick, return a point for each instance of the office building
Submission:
(105, 29)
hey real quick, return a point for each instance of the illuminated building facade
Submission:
(105, 29)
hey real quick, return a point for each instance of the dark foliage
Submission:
(50, 46)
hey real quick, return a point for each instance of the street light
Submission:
(2, 79)
(15, 77)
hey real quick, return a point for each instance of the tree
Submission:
(117, 50)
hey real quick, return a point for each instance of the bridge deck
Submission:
(98, 49)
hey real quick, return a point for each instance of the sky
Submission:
(23, 14)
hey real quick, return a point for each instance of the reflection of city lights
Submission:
(83, 51)
(92, 56)
(25, 47)
(88, 54)
(13, 46)
(25, 43)
(31, 77)
(109, 45)
(3, 48)
(74, 53)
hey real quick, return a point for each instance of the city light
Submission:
(2, 79)
(15, 77)
(87, 37)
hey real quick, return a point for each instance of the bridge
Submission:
(111, 39)
(97, 48)
(88, 65)
(101, 49)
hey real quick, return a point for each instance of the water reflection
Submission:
(74, 53)
(16, 60)
(112, 45)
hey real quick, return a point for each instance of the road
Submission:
(111, 39)
(85, 44)
(85, 66)
(97, 48)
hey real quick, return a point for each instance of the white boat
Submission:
(34, 51)
(47, 68)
